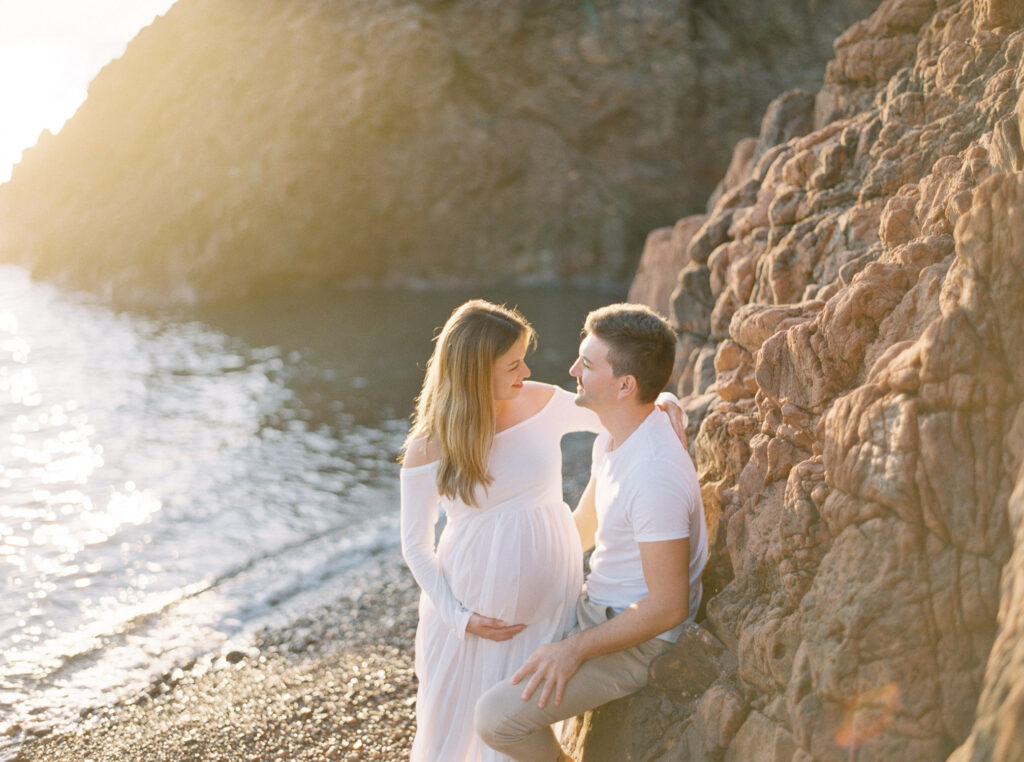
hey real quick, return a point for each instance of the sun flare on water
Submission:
(49, 52)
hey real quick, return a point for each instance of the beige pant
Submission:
(520, 730)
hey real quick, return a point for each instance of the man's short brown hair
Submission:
(640, 344)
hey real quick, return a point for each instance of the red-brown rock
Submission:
(870, 501)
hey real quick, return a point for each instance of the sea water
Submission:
(171, 482)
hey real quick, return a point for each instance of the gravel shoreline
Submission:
(337, 684)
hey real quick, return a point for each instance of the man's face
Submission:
(597, 386)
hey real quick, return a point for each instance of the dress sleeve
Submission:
(419, 516)
(571, 417)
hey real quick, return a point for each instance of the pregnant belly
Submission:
(524, 567)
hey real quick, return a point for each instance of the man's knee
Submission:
(515, 727)
(490, 718)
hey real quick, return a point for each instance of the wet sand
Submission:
(337, 685)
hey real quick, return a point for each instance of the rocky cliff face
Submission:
(240, 145)
(851, 309)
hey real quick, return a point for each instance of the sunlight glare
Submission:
(49, 52)
(867, 716)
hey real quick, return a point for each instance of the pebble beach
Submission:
(336, 684)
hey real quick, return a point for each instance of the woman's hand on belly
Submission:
(492, 629)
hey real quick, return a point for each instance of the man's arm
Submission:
(666, 566)
(585, 516)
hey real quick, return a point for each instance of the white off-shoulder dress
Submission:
(515, 556)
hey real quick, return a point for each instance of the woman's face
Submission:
(510, 371)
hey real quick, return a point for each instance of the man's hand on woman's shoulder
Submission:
(677, 416)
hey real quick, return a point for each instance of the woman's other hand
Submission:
(676, 415)
(492, 629)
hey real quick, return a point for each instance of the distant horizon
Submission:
(50, 51)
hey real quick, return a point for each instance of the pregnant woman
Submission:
(485, 445)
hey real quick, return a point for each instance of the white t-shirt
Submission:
(646, 491)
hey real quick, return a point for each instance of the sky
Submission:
(49, 52)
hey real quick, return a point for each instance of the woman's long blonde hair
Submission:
(456, 404)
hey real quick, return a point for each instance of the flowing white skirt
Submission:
(520, 564)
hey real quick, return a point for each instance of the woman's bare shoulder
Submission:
(422, 451)
(537, 394)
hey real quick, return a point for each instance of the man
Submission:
(642, 513)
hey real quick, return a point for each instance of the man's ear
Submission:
(627, 386)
